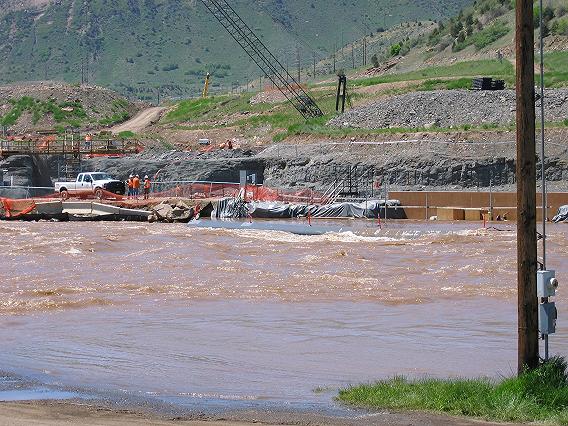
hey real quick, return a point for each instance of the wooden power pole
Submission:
(528, 352)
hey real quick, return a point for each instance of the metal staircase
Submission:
(351, 182)
(265, 60)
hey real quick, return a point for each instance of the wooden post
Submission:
(528, 352)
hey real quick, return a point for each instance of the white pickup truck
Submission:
(95, 182)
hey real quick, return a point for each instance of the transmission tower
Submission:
(265, 60)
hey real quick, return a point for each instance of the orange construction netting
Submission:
(16, 208)
(222, 190)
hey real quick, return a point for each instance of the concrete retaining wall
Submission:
(424, 204)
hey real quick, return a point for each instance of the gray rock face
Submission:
(447, 108)
(26, 171)
(452, 163)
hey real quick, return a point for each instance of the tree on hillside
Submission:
(456, 28)
(375, 60)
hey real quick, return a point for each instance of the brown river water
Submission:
(223, 317)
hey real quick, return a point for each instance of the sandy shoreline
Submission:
(51, 413)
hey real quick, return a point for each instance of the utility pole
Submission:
(528, 351)
(353, 54)
(299, 64)
(314, 65)
(334, 59)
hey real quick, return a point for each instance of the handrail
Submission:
(62, 147)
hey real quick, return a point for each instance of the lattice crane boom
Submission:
(265, 60)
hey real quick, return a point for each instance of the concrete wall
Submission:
(424, 204)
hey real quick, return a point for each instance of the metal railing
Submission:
(69, 147)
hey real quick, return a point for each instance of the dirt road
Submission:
(140, 121)
(54, 413)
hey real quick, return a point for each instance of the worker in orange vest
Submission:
(147, 185)
(130, 186)
(136, 186)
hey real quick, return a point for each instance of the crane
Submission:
(206, 87)
(263, 57)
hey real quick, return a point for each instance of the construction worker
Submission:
(130, 184)
(147, 185)
(136, 186)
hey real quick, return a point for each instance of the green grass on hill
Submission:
(538, 395)
(459, 75)
(556, 69)
(461, 69)
(212, 108)
(484, 37)
(71, 113)
(200, 112)
(285, 121)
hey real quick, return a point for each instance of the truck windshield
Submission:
(101, 176)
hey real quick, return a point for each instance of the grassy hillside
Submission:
(136, 46)
(51, 105)
(480, 31)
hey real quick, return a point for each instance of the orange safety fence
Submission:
(191, 190)
(16, 208)
(200, 190)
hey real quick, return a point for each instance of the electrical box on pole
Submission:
(546, 284)
(547, 316)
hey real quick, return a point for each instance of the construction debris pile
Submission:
(172, 211)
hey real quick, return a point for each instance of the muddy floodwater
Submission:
(203, 317)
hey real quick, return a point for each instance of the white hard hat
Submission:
(146, 177)
(131, 176)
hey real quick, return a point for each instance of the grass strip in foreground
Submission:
(538, 395)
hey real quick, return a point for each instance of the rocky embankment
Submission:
(447, 108)
(422, 160)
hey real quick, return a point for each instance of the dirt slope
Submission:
(140, 121)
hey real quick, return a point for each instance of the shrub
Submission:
(560, 27)
(395, 49)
